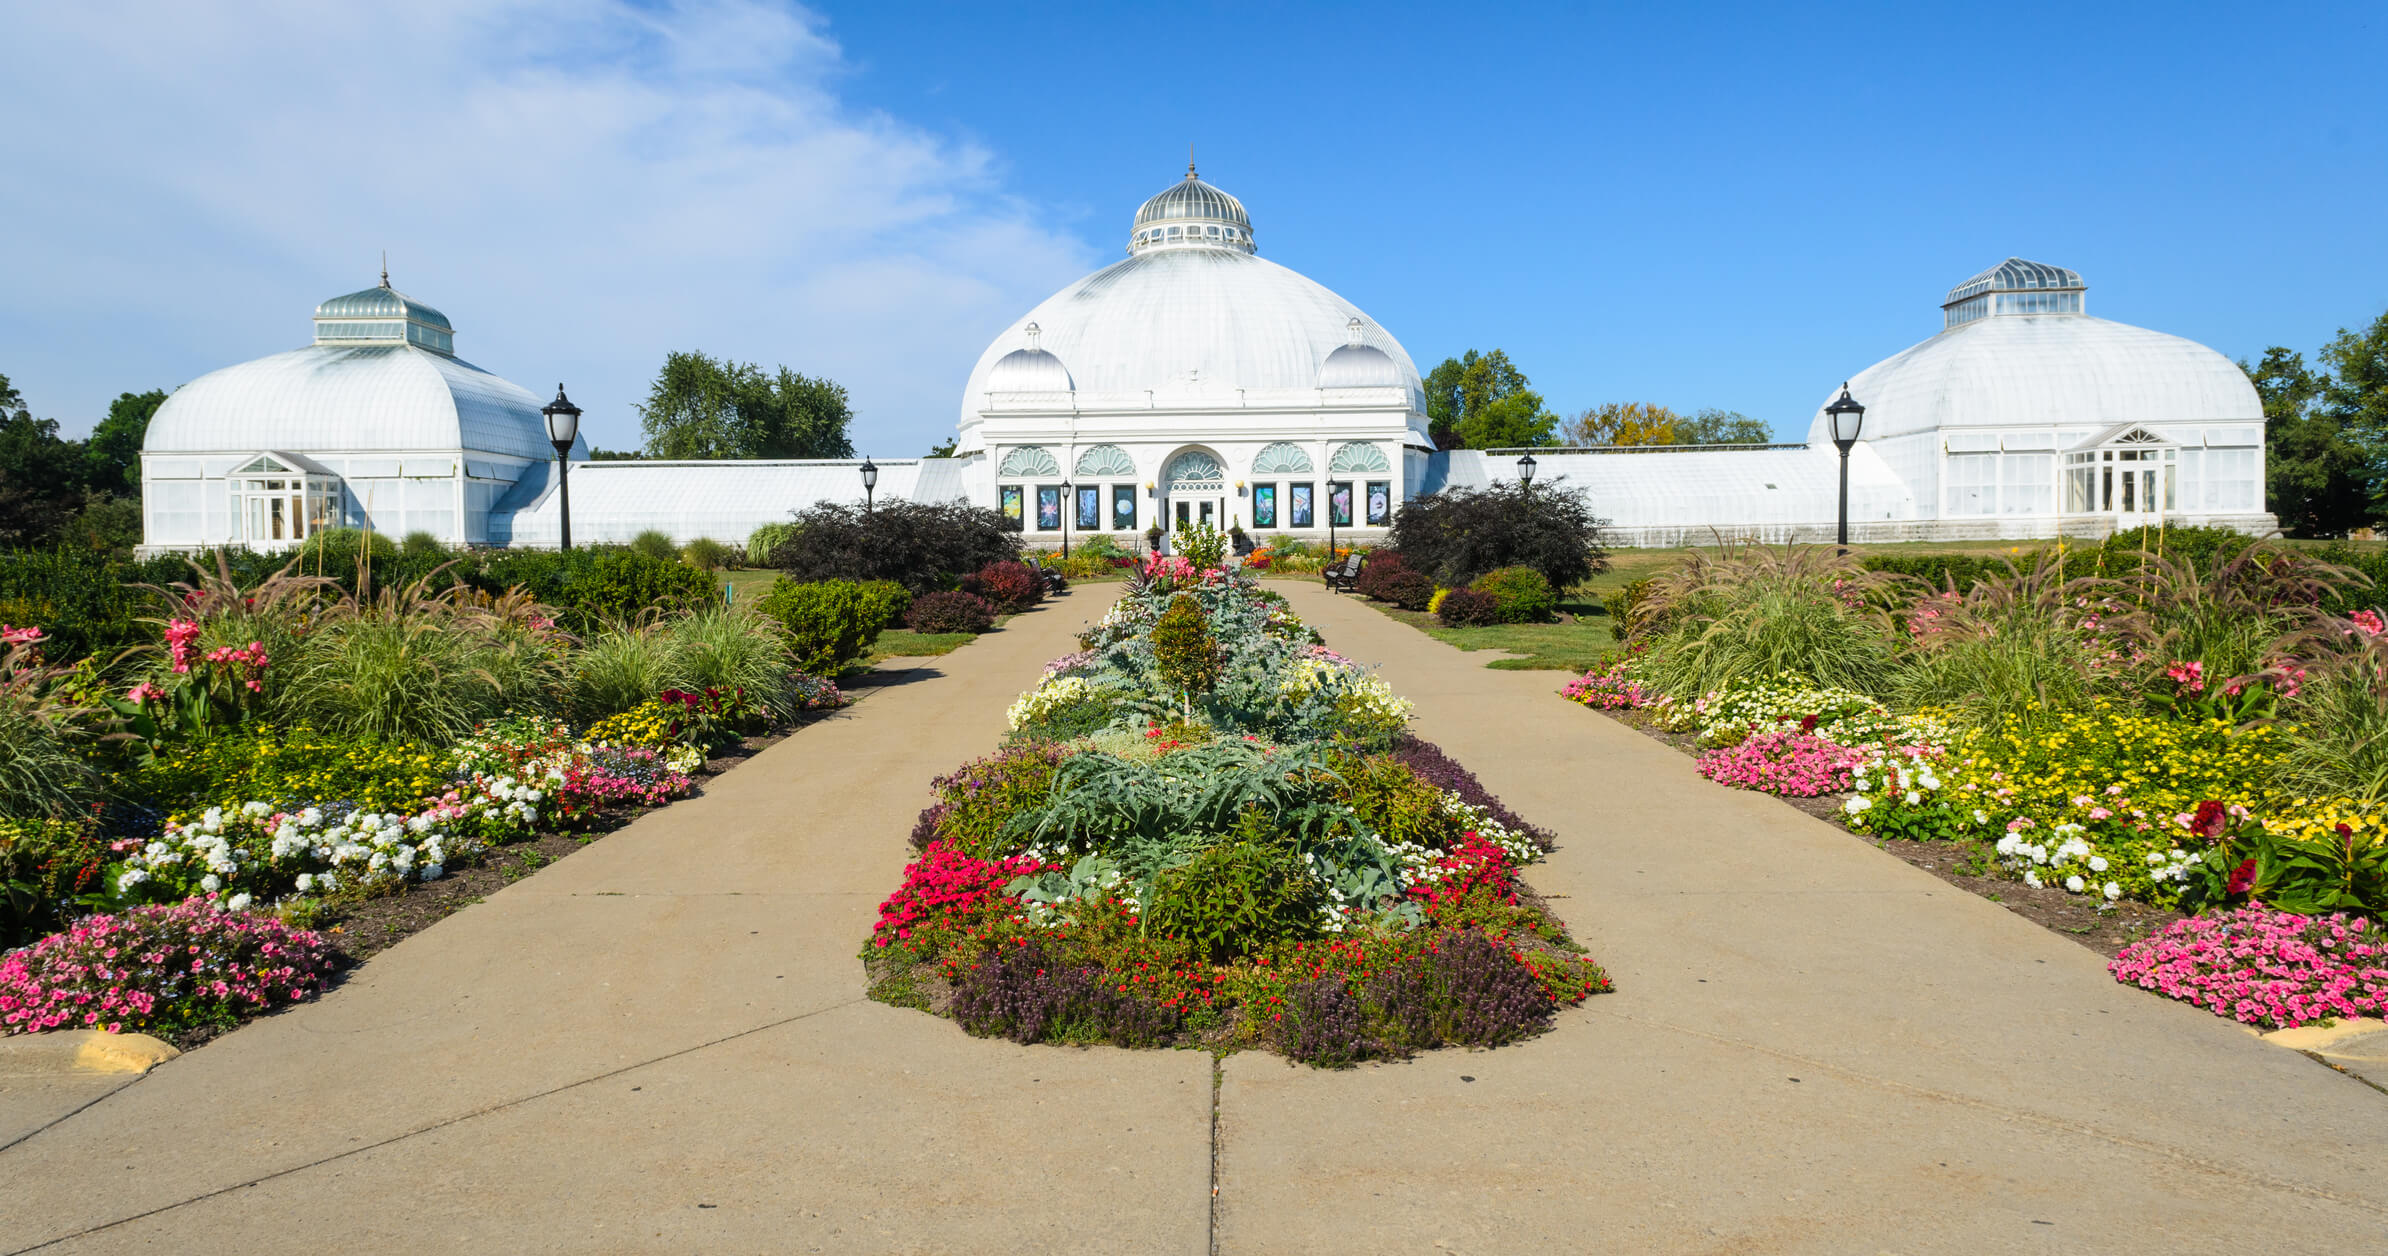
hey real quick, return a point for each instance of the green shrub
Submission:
(828, 623)
(82, 600)
(418, 669)
(619, 584)
(421, 544)
(884, 604)
(1393, 803)
(1939, 571)
(706, 554)
(1237, 898)
(1620, 605)
(655, 544)
(1520, 595)
(42, 769)
(1200, 544)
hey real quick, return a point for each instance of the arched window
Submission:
(1106, 460)
(1282, 458)
(1028, 461)
(1358, 456)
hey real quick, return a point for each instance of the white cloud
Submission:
(581, 187)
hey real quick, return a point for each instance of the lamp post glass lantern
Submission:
(1847, 418)
(870, 482)
(1069, 506)
(563, 427)
(1525, 470)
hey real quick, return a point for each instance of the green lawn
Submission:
(749, 583)
(909, 644)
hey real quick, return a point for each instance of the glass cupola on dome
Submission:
(1189, 215)
(2014, 286)
(383, 315)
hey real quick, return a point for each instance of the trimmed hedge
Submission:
(828, 623)
(1520, 595)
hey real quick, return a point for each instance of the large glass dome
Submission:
(1189, 215)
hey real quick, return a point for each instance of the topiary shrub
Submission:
(1467, 608)
(1387, 578)
(1520, 594)
(950, 612)
(1012, 586)
(826, 621)
(1183, 648)
(1236, 899)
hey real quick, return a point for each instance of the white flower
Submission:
(306, 882)
(238, 902)
(2031, 878)
(2076, 884)
(2097, 863)
(211, 883)
(1913, 798)
(2113, 891)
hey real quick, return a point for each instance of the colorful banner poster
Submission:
(1090, 507)
(1264, 505)
(1380, 503)
(1048, 508)
(1123, 507)
(1012, 505)
(1339, 503)
(1300, 505)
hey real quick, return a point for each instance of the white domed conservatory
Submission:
(1195, 381)
(378, 423)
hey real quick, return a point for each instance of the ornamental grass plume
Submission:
(2266, 968)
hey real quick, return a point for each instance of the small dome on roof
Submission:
(2015, 286)
(1191, 213)
(1029, 370)
(383, 315)
(1358, 365)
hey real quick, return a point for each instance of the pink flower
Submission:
(142, 693)
(2369, 622)
(18, 636)
(2190, 675)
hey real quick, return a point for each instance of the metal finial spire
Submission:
(1189, 161)
(385, 268)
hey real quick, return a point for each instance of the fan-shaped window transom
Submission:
(1358, 456)
(1282, 458)
(1195, 469)
(1106, 460)
(1028, 460)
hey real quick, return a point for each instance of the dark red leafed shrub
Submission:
(1012, 587)
(1388, 579)
(950, 612)
(1466, 608)
(1432, 766)
(1025, 995)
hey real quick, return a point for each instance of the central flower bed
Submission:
(1207, 830)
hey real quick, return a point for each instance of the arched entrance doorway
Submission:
(2126, 472)
(1194, 490)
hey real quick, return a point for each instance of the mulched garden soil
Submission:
(1972, 866)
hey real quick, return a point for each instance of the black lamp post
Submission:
(563, 427)
(1330, 521)
(1525, 471)
(1848, 419)
(870, 481)
(1069, 506)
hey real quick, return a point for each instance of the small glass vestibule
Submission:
(276, 503)
(2131, 477)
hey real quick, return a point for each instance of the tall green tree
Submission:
(41, 476)
(702, 408)
(2319, 477)
(114, 450)
(1482, 401)
(1724, 427)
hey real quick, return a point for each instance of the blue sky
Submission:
(1733, 206)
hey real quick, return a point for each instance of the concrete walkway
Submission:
(661, 1044)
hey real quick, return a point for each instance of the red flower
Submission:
(2241, 878)
(2210, 819)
